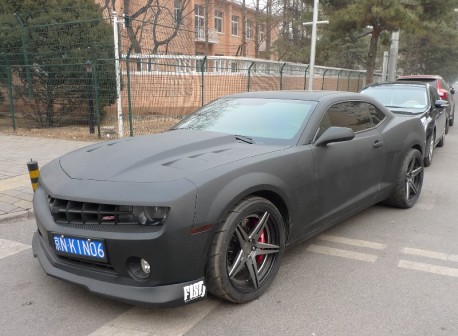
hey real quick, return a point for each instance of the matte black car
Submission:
(443, 89)
(209, 206)
(415, 100)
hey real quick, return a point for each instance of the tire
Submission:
(246, 251)
(428, 159)
(409, 181)
(451, 121)
(447, 125)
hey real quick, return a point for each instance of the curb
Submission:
(24, 214)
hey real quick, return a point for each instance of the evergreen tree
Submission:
(47, 43)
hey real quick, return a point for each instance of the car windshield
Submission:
(262, 120)
(399, 99)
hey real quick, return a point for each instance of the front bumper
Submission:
(158, 296)
(177, 257)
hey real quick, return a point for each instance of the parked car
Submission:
(415, 100)
(209, 206)
(445, 92)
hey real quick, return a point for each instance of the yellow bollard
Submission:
(34, 173)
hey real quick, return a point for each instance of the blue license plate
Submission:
(85, 248)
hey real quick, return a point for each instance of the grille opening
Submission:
(73, 212)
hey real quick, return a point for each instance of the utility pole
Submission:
(313, 46)
(393, 61)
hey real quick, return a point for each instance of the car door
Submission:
(348, 173)
(439, 114)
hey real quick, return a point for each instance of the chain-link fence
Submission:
(66, 78)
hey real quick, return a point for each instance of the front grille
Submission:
(72, 212)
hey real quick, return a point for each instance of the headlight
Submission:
(154, 215)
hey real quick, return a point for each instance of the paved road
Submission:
(383, 272)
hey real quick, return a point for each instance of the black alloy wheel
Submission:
(413, 179)
(410, 181)
(246, 253)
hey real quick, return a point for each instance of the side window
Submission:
(377, 116)
(354, 115)
(434, 95)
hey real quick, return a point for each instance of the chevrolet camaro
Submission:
(210, 205)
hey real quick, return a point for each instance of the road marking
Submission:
(157, 322)
(342, 253)
(430, 254)
(9, 247)
(353, 242)
(416, 266)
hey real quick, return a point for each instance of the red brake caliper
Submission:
(262, 239)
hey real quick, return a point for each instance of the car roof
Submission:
(420, 76)
(299, 95)
(400, 84)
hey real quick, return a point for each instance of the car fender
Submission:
(232, 190)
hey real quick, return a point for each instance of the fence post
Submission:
(322, 79)
(281, 76)
(348, 83)
(118, 74)
(129, 99)
(202, 70)
(26, 55)
(249, 75)
(10, 89)
(95, 85)
(338, 79)
(305, 77)
(359, 79)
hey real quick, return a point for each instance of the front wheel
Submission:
(410, 181)
(245, 255)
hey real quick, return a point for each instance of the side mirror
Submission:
(452, 90)
(335, 134)
(440, 103)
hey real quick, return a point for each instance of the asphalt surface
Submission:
(15, 186)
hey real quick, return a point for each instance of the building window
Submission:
(235, 25)
(199, 21)
(178, 11)
(219, 21)
(249, 29)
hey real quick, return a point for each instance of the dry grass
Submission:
(81, 133)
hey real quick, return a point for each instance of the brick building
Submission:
(186, 27)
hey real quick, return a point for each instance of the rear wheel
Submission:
(245, 255)
(451, 121)
(409, 182)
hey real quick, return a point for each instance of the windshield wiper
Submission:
(244, 139)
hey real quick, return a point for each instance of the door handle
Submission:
(378, 143)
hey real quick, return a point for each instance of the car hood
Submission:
(161, 157)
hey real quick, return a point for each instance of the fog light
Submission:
(145, 266)
(139, 268)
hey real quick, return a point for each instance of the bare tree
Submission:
(162, 19)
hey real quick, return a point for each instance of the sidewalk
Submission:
(15, 151)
